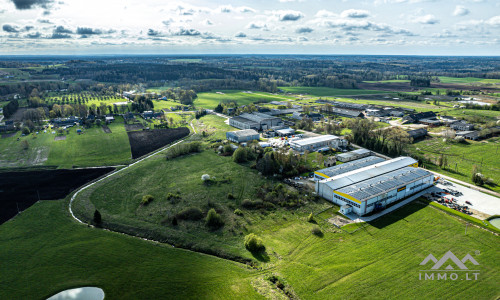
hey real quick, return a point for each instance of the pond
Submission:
(495, 222)
(83, 293)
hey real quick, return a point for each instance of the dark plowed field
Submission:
(24, 188)
(143, 142)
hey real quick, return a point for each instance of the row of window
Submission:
(351, 203)
(416, 186)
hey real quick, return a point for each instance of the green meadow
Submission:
(211, 99)
(325, 91)
(462, 157)
(92, 148)
(468, 80)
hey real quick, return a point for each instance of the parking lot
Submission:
(479, 201)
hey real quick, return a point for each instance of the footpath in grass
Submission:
(43, 251)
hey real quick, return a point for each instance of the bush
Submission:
(97, 217)
(240, 155)
(253, 243)
(238, 212)
(173, 198)
(190, 213)
(146, 199)
(227, 149)
(26, 130)
(317, 232)
(249, 204)
(183, 149)
(230, 196)
(214, 220)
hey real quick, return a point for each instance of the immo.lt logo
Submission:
(449, 267)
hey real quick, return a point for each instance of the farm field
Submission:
(145, 141)
(43, 251)
(461, 158)
(388, 81)
(90, 98)
(468, 80)
(324, 91)
(92, 148)
(211, 99)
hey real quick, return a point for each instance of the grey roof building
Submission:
(240, 136)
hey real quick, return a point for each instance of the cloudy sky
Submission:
(422, 27)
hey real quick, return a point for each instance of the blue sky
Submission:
(406, 27)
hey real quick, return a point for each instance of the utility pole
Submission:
(18, 208)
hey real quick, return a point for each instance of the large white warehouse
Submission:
(370, 188)
(322, 142)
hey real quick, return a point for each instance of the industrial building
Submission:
(372, 188)
(347, 113)
(353, 155)
(240, 136)
(255, 120)
(347, 167)
(319, 143)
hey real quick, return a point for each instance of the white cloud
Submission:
(355, 13)
(494, 21)
(460, 11)
(288, 15)
(426, 19)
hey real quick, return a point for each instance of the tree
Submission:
(240, 155)
(97, 218)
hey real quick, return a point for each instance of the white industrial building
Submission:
(255, 120)
(240, 136)
(318, 143)
(353, 155)
(347, 167)
(370, 188)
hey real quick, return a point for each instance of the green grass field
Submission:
(468, 80)
(214, 126)
(461, 158)
(389, 81)
(43, 251)
(324, 91)
(92, 148)
(90, 99)
(211, 99)
(121, 206)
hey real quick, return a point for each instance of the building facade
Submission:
(322, 142)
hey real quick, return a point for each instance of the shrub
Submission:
(230, 196)
(190, 213)
(97, 217)
(214, 220)
(249, 204)
(227, 149)
(253, 243)
(317, 232)
(238, 212)
(146, 199)
(26, 130)
(173, 198)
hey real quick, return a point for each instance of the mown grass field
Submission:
(92, 148)
(461, 158)
(381, 260)
(43, 251)
(213, 125)
(468, 80)
(211, 99)
(325, 91)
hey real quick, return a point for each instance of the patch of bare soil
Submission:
(145, 141)
(60, 138)
(133, 127)
(339, 221)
